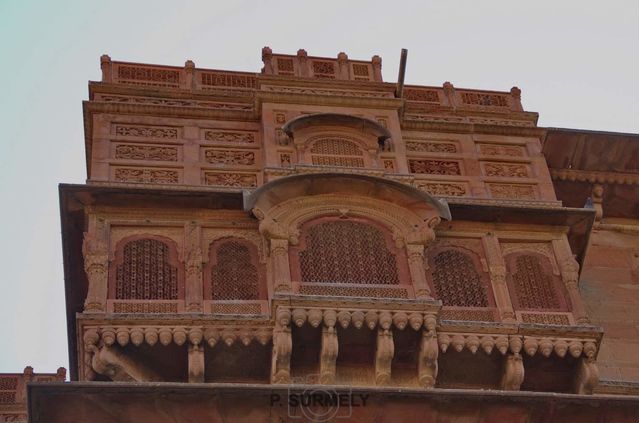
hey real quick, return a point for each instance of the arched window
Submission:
(335, 151)
(532, 283)
(234, 271)
(146, 269)
(350, 251)
(457, 281)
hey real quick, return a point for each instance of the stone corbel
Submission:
(193, 267)
(513, 371)
(96, 265)
(328, 355)
(587, 376)
(427, 360)
(196, 356)
(282, 348)
(384, 356)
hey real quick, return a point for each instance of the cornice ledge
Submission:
(345, 100)
(170, 111)
(592, 176)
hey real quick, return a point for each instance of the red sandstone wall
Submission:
(610, 288)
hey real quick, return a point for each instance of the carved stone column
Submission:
(384, 356)
(328, 355)
(193, 267)
(96, 264)
(277, 238)
(569, 269)
(417, 271)
(497, 270)
(415, 244)
(282, 348)
(427, 360)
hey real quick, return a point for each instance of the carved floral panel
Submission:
(434, 167)
(146, 152)
(231, 137)
(431, 146)
(144, 131)
(229, 157)
(506, 170)
(513, 191)
(230, 179)
(146, 175)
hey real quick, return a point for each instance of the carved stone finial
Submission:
(189, 65)
(448, 88)
(515, 92)
(105, 66)
(377, 68)
(267, 53)
(301, 53)
(342, 57)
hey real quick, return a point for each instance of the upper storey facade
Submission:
(184, 126)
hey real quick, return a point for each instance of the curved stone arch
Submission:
(540, 248)
(294, 213)
(212, 235)
(361, 124)
(174, 234)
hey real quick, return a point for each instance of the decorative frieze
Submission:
(236, 308)
(146, 152)
(146, 175)
(467, 314)
(545, 318)
(340, 290)
(230, 137)
(160, 101)
(514, 191)
(140, 131)
(229, 157)
(506, 170)
(230, 179)
(434, 167)
(146, 307)
(327, 92)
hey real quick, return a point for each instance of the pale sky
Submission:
(576, 62)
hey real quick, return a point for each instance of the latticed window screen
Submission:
(457, 281)
(533, 286)
(347, 252)
(146, 273)
(337, 152)
(234, 277)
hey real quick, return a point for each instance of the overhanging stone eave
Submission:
(294, 186)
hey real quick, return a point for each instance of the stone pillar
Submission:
(328, 355)
(569, 269)
(282, 348)
(107, 68)
(497, 269)
(449, 92)
(417, 271)
(281, 266)
(189, 71)
(96, 264)
(515, 92)
(384, 356)
(193, 268)
(427, 360)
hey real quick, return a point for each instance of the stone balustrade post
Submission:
(497, 270)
